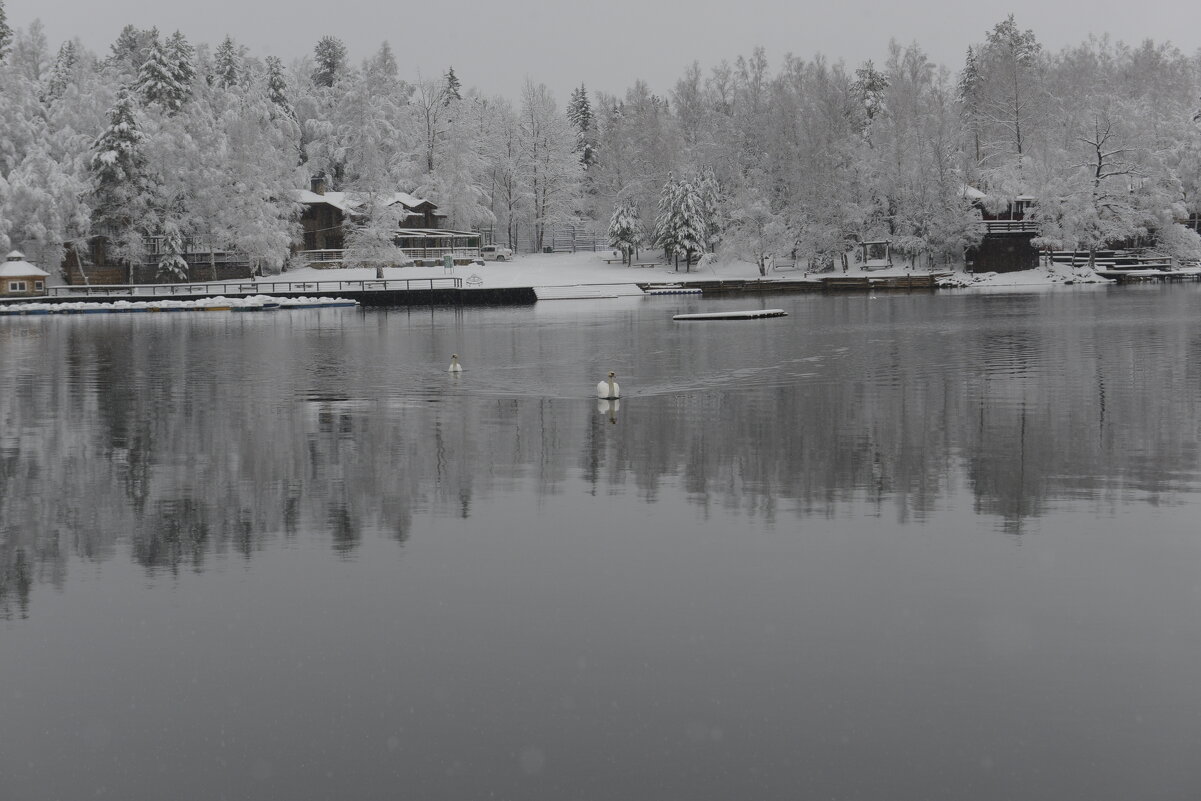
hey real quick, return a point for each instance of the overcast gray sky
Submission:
(606, 44)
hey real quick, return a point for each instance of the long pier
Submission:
(439, 291)
(448, 290)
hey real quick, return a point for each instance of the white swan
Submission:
(455, 367)
(608, 388)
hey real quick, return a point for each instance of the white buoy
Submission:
(455, 367)
(608, 388)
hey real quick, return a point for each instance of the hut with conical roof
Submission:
(19, 278)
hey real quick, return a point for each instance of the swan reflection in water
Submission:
(608, 407)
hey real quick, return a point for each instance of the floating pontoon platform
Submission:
(733, 315)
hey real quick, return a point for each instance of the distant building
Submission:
(420, 232)
(20, 278)
(1006, 246)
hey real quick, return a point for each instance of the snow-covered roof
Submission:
(972, 193)
(19, 268)
(443, 233)
(345, 201)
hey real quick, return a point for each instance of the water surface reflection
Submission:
(785, 555)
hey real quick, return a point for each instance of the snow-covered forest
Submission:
(184, 141)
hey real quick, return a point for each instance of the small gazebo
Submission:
(876, 255)
(20, 278)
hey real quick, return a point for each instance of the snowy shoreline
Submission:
(551, 271)
(572, 269)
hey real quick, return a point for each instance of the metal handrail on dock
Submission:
(256, 287)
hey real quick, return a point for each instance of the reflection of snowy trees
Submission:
(148, 436)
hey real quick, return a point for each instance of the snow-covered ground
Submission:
(567, 269)
(218, 303)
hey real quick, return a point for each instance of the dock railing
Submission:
(256, 287)
(1010, 226)
(331, 258)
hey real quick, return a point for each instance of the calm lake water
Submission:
(928, 546)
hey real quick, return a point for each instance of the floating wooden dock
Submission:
(673, 290)
(869, 282)
(1127, 276)
(733, 315)
(586, 291)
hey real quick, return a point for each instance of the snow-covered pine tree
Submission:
(579, 111)
(115, 157)
(171, 264)
(277, 86)
(330, 58)
(117, 168)
(157, 82)
(968, 94)
(383, 64)
(870, 86)
(453, 86)
(625, 228)
(61, 72)
(664, 234)
(681, 229)
(131, 49)
(180, 58)
(691, 229)
(227, 65)
(6, 33)
(709, 189)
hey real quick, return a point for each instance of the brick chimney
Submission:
(318, 184)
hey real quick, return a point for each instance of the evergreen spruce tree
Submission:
(6, 33)
(132, 48)
(117, 168)
(680, 228)
(61, 73)
(227, 67)
(171, 264)
(179, 55)
(709, 190)
(870, 86)
(579, 111)
(157, 82)
(330, 55)
(691, 229)
(453, 85)
(664, 235)
(277, 85)
(625, 229)
(383, 63)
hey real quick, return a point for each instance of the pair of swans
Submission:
(607, 389)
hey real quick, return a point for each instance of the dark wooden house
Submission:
(325, 213)
(1006, 246)
(420, 233)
